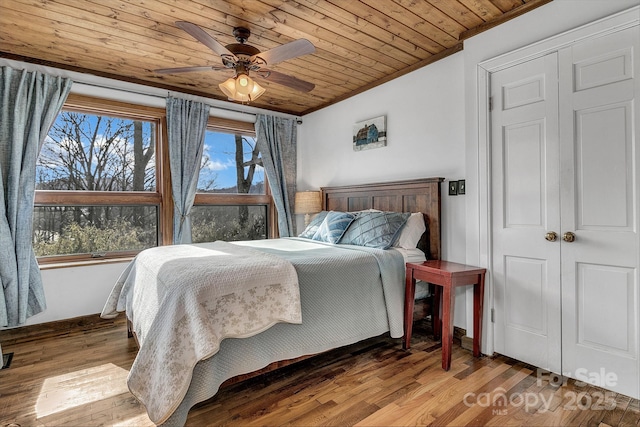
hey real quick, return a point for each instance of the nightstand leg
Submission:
(478, 300)
(409, 301)
(436, 321)
(447, 326)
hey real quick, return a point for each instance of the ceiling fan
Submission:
(243, 58)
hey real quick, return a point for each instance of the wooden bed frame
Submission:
(419, 195)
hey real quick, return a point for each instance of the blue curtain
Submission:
(276, 138)
(186, 126)
(29, 104)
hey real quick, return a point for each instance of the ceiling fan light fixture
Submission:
(241, 88)
(244, 84)
(257, 91)
(228, 87)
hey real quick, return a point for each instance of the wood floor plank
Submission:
(351, 414)
(631, 415)
(467, 409)
(508, 384)
(613, 416)
(78, 378)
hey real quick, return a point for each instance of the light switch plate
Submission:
(453, 188)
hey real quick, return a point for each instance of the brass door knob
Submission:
(568, 237)
(551, 236)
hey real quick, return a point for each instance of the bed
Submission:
(337, 294)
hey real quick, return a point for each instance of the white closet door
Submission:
(599, 199)
(525, 200)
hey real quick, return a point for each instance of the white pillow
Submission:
(411, 233)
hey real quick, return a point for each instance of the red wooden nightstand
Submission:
(446, 276)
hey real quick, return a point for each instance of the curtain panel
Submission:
(186, 126)
(277, 140)
(29, 104)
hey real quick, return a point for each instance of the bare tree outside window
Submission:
(231, 164)
(95, 153)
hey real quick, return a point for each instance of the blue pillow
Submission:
(375, 229)
(333, 226)
(313, 226)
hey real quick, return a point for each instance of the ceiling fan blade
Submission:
(187, 69)
(205, 38)
(283, 52)
(285, 80)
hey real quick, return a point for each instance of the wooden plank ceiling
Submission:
(359, 43)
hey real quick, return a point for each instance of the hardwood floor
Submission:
(78, 379)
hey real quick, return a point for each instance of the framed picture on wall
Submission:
(370, 133)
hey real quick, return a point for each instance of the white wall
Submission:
(425, 138)
(76, 291)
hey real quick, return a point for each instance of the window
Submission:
(103, 184)
(231, 164)
(97, 191)
(231, 201)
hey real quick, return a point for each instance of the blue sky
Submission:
(221, 150)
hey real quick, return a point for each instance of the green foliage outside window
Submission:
(229, 223)
(74, 239)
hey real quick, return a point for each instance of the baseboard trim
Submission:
(49, 329)
(466, 343)
(461, 335)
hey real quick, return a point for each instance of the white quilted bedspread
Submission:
(186, 300)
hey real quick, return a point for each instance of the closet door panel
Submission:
(524, 175)
(602, 69)
(599, 204)
(526, 266)
(592, 332)
(604, 168)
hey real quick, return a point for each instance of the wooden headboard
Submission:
(419, 195)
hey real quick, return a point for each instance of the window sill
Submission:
(84, 263)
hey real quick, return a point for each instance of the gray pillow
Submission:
(375, 229)
(333, 226)
(313, 226)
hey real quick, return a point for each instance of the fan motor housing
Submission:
(243, 52)
(242, 49)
